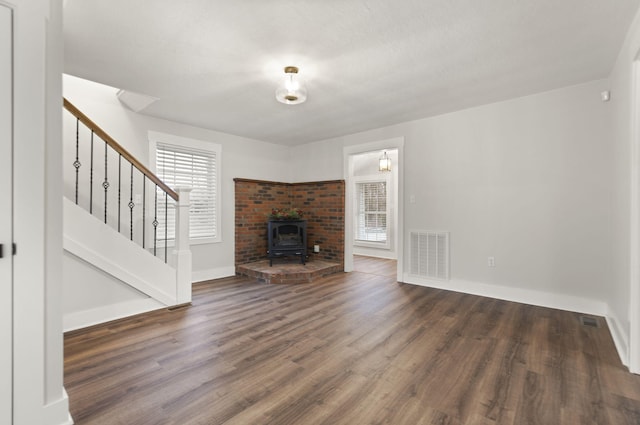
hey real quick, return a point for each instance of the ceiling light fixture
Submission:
(291, 91)
(385, 162)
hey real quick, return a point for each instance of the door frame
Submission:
(633, 360)
(348, 153)
(6, 226)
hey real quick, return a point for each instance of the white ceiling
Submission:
(368, 63)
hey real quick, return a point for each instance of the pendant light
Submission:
(385, 162)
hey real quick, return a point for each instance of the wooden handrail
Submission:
(118, 148)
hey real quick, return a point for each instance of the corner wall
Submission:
(323, 206)
(254, 200)
(619, 294)
(324, 203)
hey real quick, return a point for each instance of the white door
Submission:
(6, 206)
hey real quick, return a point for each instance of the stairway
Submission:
(118, 261)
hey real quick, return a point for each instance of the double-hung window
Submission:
(372, 212)
(181, 162)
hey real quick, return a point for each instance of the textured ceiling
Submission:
(367, 63)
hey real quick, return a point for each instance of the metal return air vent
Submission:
(430, 254)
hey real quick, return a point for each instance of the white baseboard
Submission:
(107, 313)
(620, 337)
(377, 253)
(520, 295)
(59, 410)
(210, 274)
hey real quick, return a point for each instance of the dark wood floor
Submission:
(354, 348)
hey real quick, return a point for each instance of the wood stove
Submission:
(287, 237)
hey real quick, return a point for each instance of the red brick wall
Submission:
(254, 201)
(322, 203)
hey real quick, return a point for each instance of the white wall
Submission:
(92, 288)
(93, 296)
(619, 289)
(527, 181)
(241, 157)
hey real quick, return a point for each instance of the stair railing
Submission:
(132, 180)
(99, 164)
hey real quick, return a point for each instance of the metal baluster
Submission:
(166, 225)
(155, 220)
(119, 188)
(131, 205)
(77, 163)
(144, 201)
(91, 178)
(105, 184)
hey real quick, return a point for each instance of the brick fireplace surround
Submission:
(323, 206)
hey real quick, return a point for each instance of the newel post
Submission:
(182, 251)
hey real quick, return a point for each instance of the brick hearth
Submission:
(322, 203)
(288, 271)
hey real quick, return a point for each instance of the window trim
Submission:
(371, 179)
(155, 137)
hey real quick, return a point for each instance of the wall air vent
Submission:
(429, 254)
(589, 321)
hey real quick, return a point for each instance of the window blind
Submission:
(196, 168)
(371, 223)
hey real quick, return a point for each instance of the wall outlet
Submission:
(316, 248)
(491, 261)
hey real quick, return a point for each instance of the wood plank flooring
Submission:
(371, 265)
(352, 348)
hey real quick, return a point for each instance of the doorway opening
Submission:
(373, 203)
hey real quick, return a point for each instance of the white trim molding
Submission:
(633, 357)
(107, 313)
(211, 274)
(514, 294)
(59, 409)
(619, 335)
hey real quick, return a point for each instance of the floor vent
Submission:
(429, 254)
(589, 321)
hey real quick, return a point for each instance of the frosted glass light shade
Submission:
(291, 90)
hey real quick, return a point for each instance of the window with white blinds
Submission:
(182, 165)
(371, 211)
